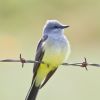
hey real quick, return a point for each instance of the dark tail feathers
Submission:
(33, 91)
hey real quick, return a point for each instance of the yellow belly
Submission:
(42, 73)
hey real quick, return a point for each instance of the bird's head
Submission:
(54, 26)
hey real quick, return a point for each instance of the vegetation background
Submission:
(21, 23)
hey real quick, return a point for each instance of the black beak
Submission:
(65, 26)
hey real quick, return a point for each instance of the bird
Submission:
(52, 49)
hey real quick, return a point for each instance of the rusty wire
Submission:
(23, 61)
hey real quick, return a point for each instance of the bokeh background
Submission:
(21, 23)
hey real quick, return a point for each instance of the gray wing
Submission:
(39, 55)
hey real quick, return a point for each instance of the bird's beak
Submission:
(65, 26)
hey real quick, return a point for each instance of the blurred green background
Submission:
(21, 23)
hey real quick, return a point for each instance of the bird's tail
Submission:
(33, 91)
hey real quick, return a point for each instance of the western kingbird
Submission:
(52, 49)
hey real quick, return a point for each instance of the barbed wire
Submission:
(22, 60)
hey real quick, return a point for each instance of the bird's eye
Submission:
(55, 26)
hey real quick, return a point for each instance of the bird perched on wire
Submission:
(52, 49)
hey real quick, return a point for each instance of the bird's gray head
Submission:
(53, 26)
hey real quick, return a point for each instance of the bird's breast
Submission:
(55, 51)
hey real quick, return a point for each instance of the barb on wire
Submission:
(83, 64)
(22, 60)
